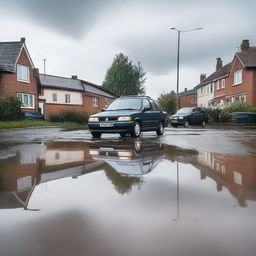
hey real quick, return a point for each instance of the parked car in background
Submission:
(129, 115)
(33, 115)
(189, 116)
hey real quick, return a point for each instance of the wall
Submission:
(9, 86)
(204, 95)
(75, 97)
(186, 100)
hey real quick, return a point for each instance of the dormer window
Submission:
(22, 73)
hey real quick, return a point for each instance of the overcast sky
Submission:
(81, 37)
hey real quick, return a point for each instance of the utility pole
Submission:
(44, 60)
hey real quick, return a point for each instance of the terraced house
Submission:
(45, 93)
(236, 81)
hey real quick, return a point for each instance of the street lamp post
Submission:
(178, 58)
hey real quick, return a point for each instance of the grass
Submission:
(41, 123)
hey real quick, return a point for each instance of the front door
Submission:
(41, 107)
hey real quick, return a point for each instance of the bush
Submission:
(214, 114)
(225, 116)
(239, 107)
(77, 116)
(10, 109)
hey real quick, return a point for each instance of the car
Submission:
(33, 115)
(189, 116)
(129, 115)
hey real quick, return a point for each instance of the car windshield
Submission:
(125, 104)
(184, 111)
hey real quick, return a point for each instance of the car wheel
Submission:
(122, 134)
(136, 130)
(160, 130)
(96, 134)
(203, 124)
(186, 124)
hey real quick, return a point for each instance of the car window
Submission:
(125, 104)
(154, 106)
(146, 104)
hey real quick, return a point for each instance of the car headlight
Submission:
(93, 119)
(180, 117)
(124, 118)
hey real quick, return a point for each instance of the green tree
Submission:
(168, 102)
(124, 78)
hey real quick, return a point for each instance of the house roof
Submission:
(188, 92)
(65, 83)
(216, 75)
(9, 52)
(248, 57)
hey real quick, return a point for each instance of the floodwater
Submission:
(125, 197)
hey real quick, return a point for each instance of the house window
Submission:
(218, 85)
(193, 101)
(238, 77)
(54, 97)
(237, 178)
(201, 90)
(24, 184)
(22, 73)
(212, 87)
(67, 98)
(95, 102)
(223, 83)
(27, 100)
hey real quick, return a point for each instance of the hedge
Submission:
(10, 109)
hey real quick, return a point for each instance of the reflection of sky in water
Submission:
(88, 215)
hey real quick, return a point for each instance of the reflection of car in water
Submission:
(128, 157)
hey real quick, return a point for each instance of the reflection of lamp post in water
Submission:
(178, 193)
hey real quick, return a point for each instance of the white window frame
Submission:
(238, 178)
(222, 83)
(22, 97)
(218, 85)
(95, 101)
(21, 71)
(238, 77)
(67, 98)
(54, 97)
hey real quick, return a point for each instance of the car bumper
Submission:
(111, 127)
(178, 121)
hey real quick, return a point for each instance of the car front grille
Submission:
(106, 119)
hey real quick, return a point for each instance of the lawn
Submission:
(34, 123)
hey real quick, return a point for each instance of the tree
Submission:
(168, 102)
(124, 78)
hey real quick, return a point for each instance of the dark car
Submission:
(129, 115)
(188, 116)
(33, 115)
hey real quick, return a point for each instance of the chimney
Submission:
(245, 45)
(218, 64)
(23, 39)
(202, 77)
(186, 89)
(74, 77)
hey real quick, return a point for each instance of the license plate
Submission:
(106, 125)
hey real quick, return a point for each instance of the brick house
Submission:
(61, 93)
(18, 76)
(188, 98)
(236, 81)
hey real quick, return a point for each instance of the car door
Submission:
(195, 118)
(156, 114)
(146, 118)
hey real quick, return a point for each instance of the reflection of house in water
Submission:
(38, 163)
(237, 173)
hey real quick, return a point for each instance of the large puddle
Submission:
(125, 197)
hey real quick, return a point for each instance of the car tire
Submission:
(203, 123)
(186, 124)
(160, 130)
(96, 135)
(136, 130)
